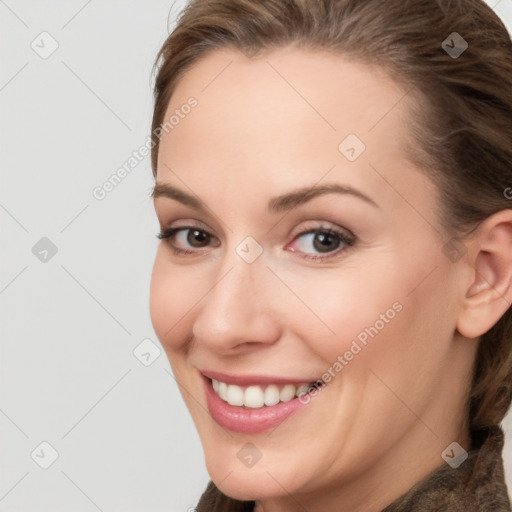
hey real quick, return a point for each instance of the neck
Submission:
(406, 463)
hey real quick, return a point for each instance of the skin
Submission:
(382, 422)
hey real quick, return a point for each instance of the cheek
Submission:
(404, 329)
(341, 306)
(171, 299)
(388, 310)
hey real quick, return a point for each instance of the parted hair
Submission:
(460, 119)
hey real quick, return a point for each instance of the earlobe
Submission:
(489, 294)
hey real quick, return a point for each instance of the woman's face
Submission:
(298, 255)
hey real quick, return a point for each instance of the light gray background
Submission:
(69, 325)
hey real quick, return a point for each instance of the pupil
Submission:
(325, 242)
(197, 238)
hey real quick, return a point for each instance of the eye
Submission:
(320, 243)
(187, 238)
(316, 243)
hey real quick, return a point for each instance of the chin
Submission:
(265, 480)
(247, 487)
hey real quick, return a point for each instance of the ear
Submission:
(490, 293)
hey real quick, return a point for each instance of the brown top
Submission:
(477, 485)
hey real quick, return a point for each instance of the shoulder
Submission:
(478, 484)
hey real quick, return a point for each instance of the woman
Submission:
(334, 280)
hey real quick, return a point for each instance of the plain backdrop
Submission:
(90, 415)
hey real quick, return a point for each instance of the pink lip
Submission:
(251, 380)
(244, 419)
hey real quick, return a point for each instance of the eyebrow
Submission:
(278, 204)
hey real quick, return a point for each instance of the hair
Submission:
(461, 116)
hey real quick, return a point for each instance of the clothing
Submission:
(477, 485)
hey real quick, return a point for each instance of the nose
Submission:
(239, 310)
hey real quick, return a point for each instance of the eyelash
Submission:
(347, 240)
(167, 234)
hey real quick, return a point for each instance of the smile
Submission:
(251, 405)
(256, 397)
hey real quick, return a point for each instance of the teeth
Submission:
(256, 397)
(287, 393)
(302, 389)
(272, 395)
(235, 395)
(223, 391)
(253, 397)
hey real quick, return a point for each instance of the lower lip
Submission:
(245, 419)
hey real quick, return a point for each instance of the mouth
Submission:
(252, 405)
(258, 396)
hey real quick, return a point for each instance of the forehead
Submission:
(290, 115)
(330, 90)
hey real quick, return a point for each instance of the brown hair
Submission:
(461, 117)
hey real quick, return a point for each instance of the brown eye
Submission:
(198, 238)
(187, 239)
(321, 243)
(326, 242)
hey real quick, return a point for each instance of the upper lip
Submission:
(250, 380)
